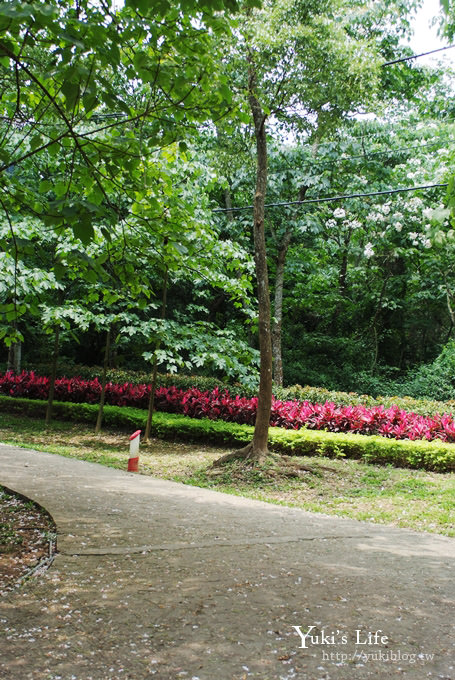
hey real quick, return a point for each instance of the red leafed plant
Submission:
(392, 422)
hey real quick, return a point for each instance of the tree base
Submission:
(248, 454)
(279, 466)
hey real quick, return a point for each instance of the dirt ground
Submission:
(27, 535)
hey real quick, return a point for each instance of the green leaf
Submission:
(90, 102)
(35, 142)
(72, 39)
(83, 231)
(44, 186)
(60, 189)
(141, 5)
(53, 149)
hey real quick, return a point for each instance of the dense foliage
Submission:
(123, 128)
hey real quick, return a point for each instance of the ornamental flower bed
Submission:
(390, 422)
(32, 386)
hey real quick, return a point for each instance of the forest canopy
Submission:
(150, 158)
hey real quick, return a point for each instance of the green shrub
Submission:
(120, 376)
(414, 454)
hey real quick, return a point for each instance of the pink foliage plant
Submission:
(218, 404)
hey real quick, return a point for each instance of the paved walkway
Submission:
(158, 580)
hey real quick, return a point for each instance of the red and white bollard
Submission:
(133, 460)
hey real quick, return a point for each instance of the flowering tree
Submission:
(279, 49)
(368, 276)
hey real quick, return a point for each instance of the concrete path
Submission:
(158, 580)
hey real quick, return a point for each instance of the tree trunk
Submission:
(53, 375)
(113, 356)
(342, 282)
(257, 450)
(14, 357)
(278, 310)
(374, 323)
(99, 419)
(261, 428)
(228, 203)
(148, 426)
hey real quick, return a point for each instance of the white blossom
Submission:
(427, 213)
(386, 208)
(369, 252)
(339, 213)
(330, 224)
(398, 226)
(416, 201)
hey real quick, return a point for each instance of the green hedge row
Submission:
(414, 454)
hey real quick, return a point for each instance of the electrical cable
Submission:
(416, 56)
(390, 152)
(327, 199)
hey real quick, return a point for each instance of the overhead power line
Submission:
(416, 56)
(388, 152)
(328, 199)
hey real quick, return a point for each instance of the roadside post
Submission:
(133, 460)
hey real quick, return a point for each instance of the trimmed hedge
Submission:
(434, 455)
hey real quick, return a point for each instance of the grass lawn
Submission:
(424, 501)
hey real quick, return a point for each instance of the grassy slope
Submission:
(416, 499)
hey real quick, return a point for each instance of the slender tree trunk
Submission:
(228, 204)
(374, 323)
(450, 308)
(53, 375)
(342, 282)
(230, 217)
(14, 357)
(278, 310)
(107, 349)
(15, 350)
(148, 426)
(257, 449)
(113, 356)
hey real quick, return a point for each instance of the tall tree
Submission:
(299, 67)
